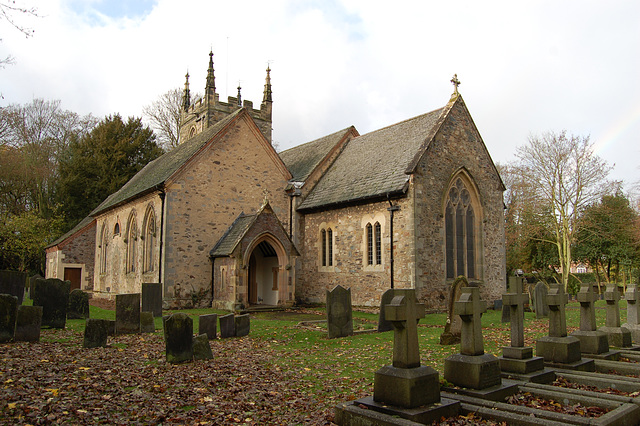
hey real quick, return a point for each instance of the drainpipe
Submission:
(213, 274)
(391, 209)
(162, 197)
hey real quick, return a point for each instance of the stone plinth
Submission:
(473, 371)
(406, 387)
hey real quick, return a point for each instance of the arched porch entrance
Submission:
(266, 258)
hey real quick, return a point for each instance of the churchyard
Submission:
(285, 371)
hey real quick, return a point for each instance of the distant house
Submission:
(224, 219)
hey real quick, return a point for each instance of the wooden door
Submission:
(75, 276)
(253, 283)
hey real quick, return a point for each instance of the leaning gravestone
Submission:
(208, 324)
(8, 314)
(619, 337)
(201, 347)
(339, 314)
(147, 325)
(178, 337)
(405, 389)
(152, 298)
(383, 323)
(96, 332)
(451, 334)
(78, 305)
(13, 282)
(540, 300)
(128, 313)
(227, 326)
(242, 324)
(28, 323)
(53, 295)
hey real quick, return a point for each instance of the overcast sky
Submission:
(526, 67)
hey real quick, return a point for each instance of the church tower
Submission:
(202, 113)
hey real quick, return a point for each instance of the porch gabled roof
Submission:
(229, 241)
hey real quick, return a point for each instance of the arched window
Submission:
(329, 247)
(116, 229)
(326, 246)
(132, 240)
(369, 244)
(103, 249)
(460, 232)
(323, 241)
(374, 244)
(378, 240)
(149, 232)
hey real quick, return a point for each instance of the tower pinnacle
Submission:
(267, 87)
(211, 79)
(186, 94)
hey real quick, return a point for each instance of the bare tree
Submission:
(164, 117)
(565, 175)
(8, 12)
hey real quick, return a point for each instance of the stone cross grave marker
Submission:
(632, 296)
(587, 297)
(339, 314)
(515, 301)
(404, 312)
(557, 299)
(612, 296)
(539, 295)
(470, 308)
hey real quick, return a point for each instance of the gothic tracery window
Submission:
(460, 232)
(103, 249)
(132, 240)
(326, 242)
(149, 233)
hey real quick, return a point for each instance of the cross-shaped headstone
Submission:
(470, 308)
(612, 296)
(516, 302)
(456, 83)
(587, 297)
(404, 312)
(632, 296)
(556, 299)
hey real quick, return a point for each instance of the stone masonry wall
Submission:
(457, 145)
(231, 176)
(75, 251)
(350, 268)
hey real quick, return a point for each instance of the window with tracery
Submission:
(374, 244)
(132, 241)
(103, 249)
(460, 230)
(326, 241)
(149, 241)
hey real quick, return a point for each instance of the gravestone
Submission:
(208, 324)
(13, 283)
(540, 300)
(472, 367)
(557, 349)
(593, 343)
(227, 326)
(152, 298)
(242, 324)
(147, 324)
(517, 361)
(178, 337)
(512, 283)
(8, 314)
(201, 347)
(632, 296)
(619, 337)
(78, 305)
(339, 314)
(451, 333)
(112, 327)
(128, 313)
(28, 323)
(405, 389)
(96, 332)
(383, 323)
(53, 295)
(32, 283)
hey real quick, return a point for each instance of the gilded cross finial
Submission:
(456, 83)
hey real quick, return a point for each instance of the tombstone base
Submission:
(521, 366)
(472, 371)
(375, 413)
(559, 350)
(592, 342)
(635, 332)
(582, 365)
(498, 392)
(514, 352)
(619, 337)
(406, 387)
(609, 356)
(543, 376)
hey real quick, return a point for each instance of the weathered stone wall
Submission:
(350, 268)
(77, 251)
(457, 145)
(116, 279)
(229, 177)
(225, 282)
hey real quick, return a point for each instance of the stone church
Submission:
(224, 220)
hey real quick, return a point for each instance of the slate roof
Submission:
(374, 164)
(83, 223)
(231, 238)
(159, 170)
(303, 159)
